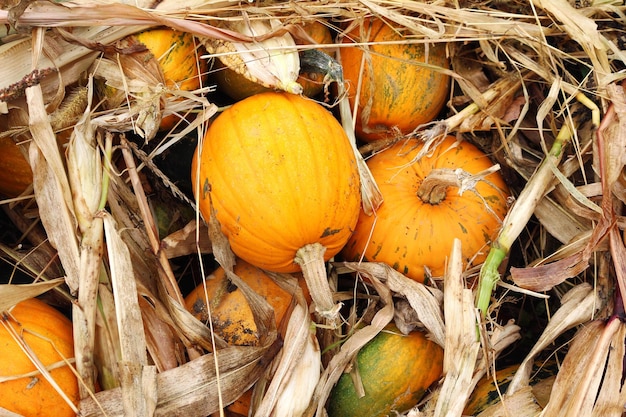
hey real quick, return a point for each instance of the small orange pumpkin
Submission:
(49, 334)
(282, 177)
(490, 389)
(395, 369)
(178, 59)
(182, 68)
(231, 315)
(401, 86)
(15, 172)
(413, 230)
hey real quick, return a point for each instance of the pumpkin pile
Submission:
(303, 209)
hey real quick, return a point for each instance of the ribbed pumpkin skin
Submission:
(395, 370)
(409, 233)
(281, 174)
(176, 53)
(15, 172)
(403, 93)
(27, 396)
(231, 314)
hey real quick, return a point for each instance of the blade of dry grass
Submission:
(192, 388)
(297, 371)
(11, 294)
(577, 384)
(137, 378)
(613, 395)
(578, 306)
(52, 188)
(461, 344)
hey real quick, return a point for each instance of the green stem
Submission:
(517, 218)
(489, 275)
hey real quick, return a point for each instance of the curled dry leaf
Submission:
(426, 301)
(12, 294)
(578, 305)
(582, 383)
(461, 344)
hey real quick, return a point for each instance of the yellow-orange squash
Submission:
(15, 172)
(49, 334)
(281, 175)
(395, 369)
(231, 314)
(402, 83)
(489, 391)
(413, 232)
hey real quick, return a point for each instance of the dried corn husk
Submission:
(272, 62)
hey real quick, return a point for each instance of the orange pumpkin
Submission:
(402, 84)
(395, 369)
(231, 315)
(49, 334)
(282, 177)
(15, 172)
(178, 60)
(489, 390)
(413, 230)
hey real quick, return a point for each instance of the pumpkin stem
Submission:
(311, 260)
(434, 187)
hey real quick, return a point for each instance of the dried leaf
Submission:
(426, 301)
(190, 239)
(137, 379)
(11, 294)
(578, 305)
(52, 189)
(461, 344)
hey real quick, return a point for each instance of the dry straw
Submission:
(537, 84)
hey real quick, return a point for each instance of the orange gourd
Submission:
(281, 175)
(49, 334)
(176, 53)
(178, 60)
(182, 68)
(15, 172)
(395, 369)
(413, 230)
(403, 84)
(490, 388)
(231, 315)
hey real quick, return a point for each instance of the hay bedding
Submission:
(525, 75)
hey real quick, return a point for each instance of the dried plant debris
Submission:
(107, 233)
